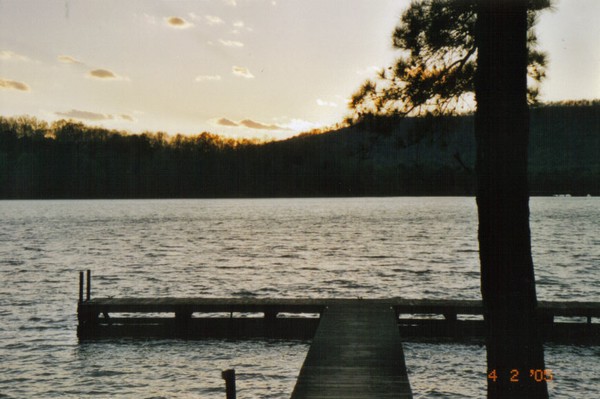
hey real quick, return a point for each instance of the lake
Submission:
(340, 247)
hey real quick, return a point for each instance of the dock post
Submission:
(89, 281)
(229, 377)
(183, 315)
(270, 315)
(80, 287)
(86, 316)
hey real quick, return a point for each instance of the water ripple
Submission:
(408, 247)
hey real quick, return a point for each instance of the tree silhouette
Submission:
(514, 345)
(454, 49)
(435, 73)
(71, 160)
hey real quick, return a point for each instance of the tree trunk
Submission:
(514, 346)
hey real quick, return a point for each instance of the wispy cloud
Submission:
(7, 84)
(249, 123)
(242, 72)
(94, 116)
(67, 59)
(259, 125)
(12, 56)
(205, 78)
(92, 72)
(213, 20)
(240, 26)
(104, 74)
(226, 122)
(85, 115)
(178, 23)
(127, 117)
(231, 43)
(232, 3)
(323, 103)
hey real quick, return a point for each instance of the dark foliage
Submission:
(438, 58)
(420, 157)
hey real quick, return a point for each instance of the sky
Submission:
(266, 69)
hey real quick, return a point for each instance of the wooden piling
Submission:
(89, 284)
(80, 287)
(229, 377)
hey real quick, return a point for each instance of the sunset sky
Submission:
(241, 68)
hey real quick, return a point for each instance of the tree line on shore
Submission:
(385, 156)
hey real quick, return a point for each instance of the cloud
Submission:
(104, 74)
(127, 117)
(248, 123)
(323, 103)
(213, 20)
(67, 59)
(12, 56)
(231, 43)
(178, 23)
(226, 122)
(205, 78)
(242, 71)
(239, 26)
(7, 84)
(85, 115)
(232, 3)
(258, 125)
(93, 116)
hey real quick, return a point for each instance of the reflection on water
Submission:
(173, 368)
(374, 247)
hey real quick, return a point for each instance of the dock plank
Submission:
(356, 353)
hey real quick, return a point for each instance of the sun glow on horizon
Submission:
(182, 67)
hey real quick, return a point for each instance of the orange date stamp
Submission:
(515, 375)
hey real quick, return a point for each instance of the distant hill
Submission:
(428, 157)
(415, 156)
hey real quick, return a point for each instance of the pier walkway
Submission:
(356, 353)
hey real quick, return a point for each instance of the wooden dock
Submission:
(298, 318)
(356, 353)
(356, 349)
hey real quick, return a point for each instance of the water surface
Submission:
(368, 247)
